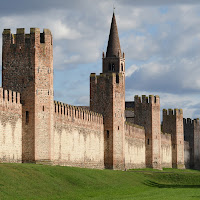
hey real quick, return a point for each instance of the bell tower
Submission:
(107, 96)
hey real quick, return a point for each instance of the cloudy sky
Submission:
(160, 38)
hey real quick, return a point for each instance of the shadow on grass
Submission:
(159, 185)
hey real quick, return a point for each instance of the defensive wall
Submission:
(166, 150)
(34, 128)
(173, 124)
(147, 114)
(78, 138)
(107, 97)
(134, 146)
(10, 126)
(192, 140)
(27, 67)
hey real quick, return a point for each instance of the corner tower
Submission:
(27, 67)
(107, 96)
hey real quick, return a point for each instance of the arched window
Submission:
(122, 67)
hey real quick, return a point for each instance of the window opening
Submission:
(113, 67)
(107, 134)
(117, 78)
(27, 117)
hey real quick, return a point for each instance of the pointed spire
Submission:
(113, 48)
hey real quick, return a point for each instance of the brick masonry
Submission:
(192, 137)
(173, 124)
(35, 128)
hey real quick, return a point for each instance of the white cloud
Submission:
(131, 70)
(61, 31)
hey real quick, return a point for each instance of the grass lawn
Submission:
(30, 181)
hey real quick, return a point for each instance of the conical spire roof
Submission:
(113, 48)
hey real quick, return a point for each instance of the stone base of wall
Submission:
(166, 165)
(135, 166)
(77, 164)
(178, 166)
(44, 162)
(5, 160)
(155, 166)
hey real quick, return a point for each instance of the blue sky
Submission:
(160, 38)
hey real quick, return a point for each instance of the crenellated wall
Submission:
(10, 126)
(107, 96)
(147, 114)
(173, 124)
(192, 137)
(27, 67)
(134, 146)
(166, 150)
(78, 138)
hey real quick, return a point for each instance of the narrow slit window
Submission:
(113, 67)
(107, 134)
(148, 141)
(43, 108)
(117, 78)
(27, 117)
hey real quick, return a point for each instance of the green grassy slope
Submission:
(29, 181)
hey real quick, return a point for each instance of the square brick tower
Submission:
(27, 67)
(147, 114)
(107, 96)
(173, 124)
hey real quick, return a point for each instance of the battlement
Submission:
(113, 77)
(151, 99)
(77, 113)
(10, 101)
(21, 38)
(171, 112)
(190, 121)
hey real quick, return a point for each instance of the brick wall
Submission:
(107, 96)
(78, 138)
(134, 146)
(173, 124)
(166, 150)
(192, 136)
(147, 114)
(10, 127)
(27, 67)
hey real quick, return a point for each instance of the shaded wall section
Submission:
(134, 146)
(166, 150)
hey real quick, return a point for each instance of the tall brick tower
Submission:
(147, 114)
(107, 96)
(27, 67)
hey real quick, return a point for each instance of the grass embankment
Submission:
(29, 181)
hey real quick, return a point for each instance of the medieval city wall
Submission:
(10, 127)
(78, 138)
(173, 124)
(134, 146)
(187, 155)
(147, 114)
(192, 138)
(166, 150)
